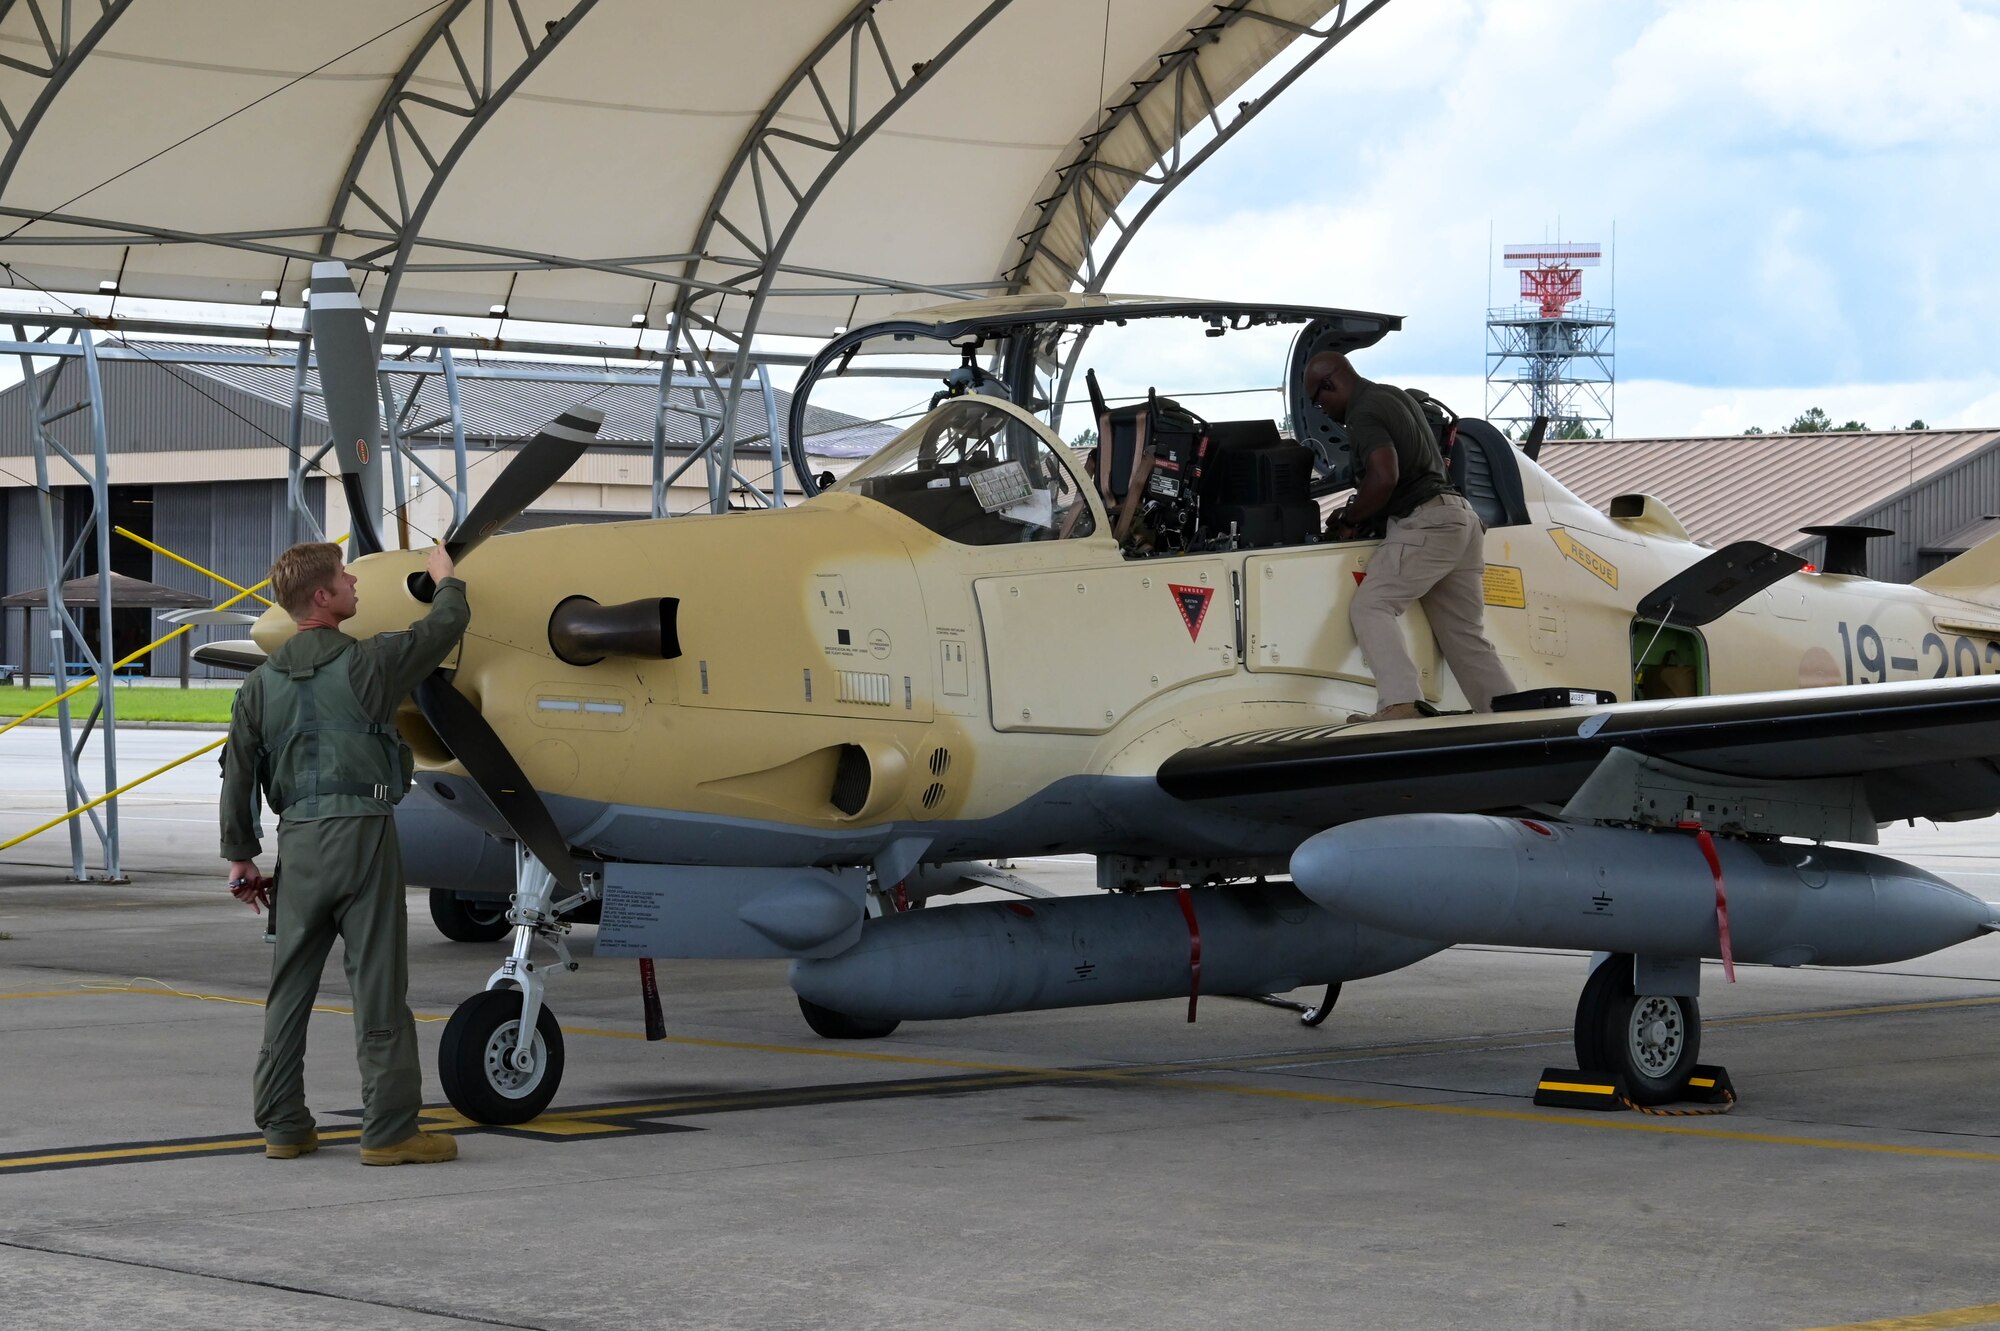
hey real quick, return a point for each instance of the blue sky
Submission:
(1804, 197)
(1803, 194)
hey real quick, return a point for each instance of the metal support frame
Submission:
(66, 638)
(709, 397)
(776, 176)
(1093, 189)
(65, 48)
(1560, 367)
(424, 136)
(1098, 193)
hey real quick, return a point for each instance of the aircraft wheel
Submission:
(465, 920)
(839, 1026)
(1652, 1041)
(473, 1062)
(1603, 988)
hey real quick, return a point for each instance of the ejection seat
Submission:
(1485, 470)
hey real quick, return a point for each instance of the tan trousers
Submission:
(1436, 555)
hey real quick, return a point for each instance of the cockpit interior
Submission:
(983, 466)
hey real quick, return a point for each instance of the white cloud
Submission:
(1853, 73)
(1802, 196)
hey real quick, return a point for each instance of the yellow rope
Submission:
(112, 794)
(91, 681)
(156, 643)
(189, 563)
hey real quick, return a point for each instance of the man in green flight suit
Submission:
(313, 728)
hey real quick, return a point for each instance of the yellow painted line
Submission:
(61, 993)
(1984, 1315)
(147, 1152)
(1874, 1010)
(1166, 1075)
(812, 1051)
(557, 1126)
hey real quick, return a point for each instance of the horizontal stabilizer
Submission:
(1972, 576)
(234, 654)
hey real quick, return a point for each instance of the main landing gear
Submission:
(468, 919)
(1652, 1041)
(501, 1058)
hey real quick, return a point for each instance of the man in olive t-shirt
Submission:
(1435, 550)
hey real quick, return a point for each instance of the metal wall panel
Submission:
(233, 527)
(149, 408)
(20, 567)
(1939, 505)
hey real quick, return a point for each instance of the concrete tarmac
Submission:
(1107, 1167)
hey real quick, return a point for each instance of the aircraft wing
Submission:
(1921, 749)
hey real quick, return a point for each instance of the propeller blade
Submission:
(527, 477)
(540, 464)
(351, 392)
(493, 769)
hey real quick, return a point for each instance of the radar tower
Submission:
(1551, 354)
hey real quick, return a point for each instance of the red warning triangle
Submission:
(1193, 604)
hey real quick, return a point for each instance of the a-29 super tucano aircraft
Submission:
(775, 733)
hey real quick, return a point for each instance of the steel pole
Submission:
(460, 499)
(107, 683)
(52, 562)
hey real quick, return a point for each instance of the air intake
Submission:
(582, 632)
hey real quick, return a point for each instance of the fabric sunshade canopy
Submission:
(800, 167)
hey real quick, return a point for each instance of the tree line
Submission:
(1815, 421)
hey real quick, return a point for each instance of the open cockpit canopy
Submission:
(1029, 348)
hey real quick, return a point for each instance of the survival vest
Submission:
(325, 758)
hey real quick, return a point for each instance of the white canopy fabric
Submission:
(585, 161)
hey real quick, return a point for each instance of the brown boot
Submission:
(292, 1150)
(419, 1148)
(1395, 711)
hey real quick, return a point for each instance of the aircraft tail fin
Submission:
(1972, 576)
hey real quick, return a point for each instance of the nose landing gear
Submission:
(501, 1056)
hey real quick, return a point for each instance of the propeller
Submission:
(349, 388)
(452, 716)
(348, 379)
(540, 464)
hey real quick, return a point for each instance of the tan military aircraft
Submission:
(776, 733)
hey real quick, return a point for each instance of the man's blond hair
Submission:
(301, 571)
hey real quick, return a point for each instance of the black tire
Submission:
(1652, 1042)
(839, 1026)
(1606, 984)
(476, 1081)
(469, 919)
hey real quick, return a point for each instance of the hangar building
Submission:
(1937, 490)
(200, 459)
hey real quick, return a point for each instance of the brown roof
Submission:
(125, 592)
(1762, 487)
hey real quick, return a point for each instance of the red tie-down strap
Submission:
(1186, 898)
(1707, 844)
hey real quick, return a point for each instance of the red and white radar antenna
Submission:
(1551, 273)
